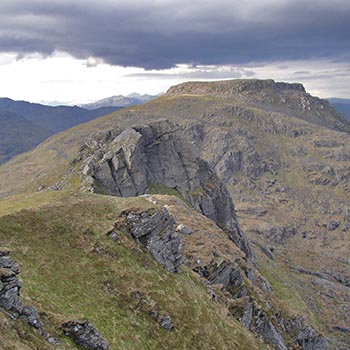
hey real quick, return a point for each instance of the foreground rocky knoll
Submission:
(103, 242)
(283, 156)
(86, 271)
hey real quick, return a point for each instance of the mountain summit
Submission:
(286, 98)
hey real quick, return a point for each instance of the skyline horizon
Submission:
(79, 101)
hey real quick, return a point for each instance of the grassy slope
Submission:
(65, 277)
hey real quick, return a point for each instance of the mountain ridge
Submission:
(54, 118)
(288, 176)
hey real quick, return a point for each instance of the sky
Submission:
(80, 51)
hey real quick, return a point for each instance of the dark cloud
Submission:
(161, 34)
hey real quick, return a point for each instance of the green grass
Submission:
(283, 284)
(155, 188)
(63, 276)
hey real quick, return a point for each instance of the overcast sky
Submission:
(79, 51)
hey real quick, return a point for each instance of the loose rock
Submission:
(156, 232)
(166, 323)
(84, 334)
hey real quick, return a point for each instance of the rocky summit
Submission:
(216, 216)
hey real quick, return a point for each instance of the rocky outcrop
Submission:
(125, 164)
(308, 339)
(304, 335)
(228, 274)
(11, 301)
(10, 286)
(84, 334)
(246, 294)
(155, 230)
(283, 333)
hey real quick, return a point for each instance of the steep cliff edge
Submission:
(125, 163)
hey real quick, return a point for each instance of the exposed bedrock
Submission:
(126, 163)
(156, 231)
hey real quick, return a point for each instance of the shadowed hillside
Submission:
(24, 125)
(52, 118)
(18, 135)
(341, 105)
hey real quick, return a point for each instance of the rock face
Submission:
(85, 335)
(156, 231)
(10, 286)
(308, 339)
(10, 298)
(126, 163)
(229, 275)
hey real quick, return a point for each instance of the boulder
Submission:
(84, 334)
(184, 230)
(165, 322)
(155, 230)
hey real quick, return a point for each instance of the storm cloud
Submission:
(161, 34)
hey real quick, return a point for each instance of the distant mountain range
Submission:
(120, 101)
(54, 119)
(23, 125)
(342, 105)
(18, 135)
